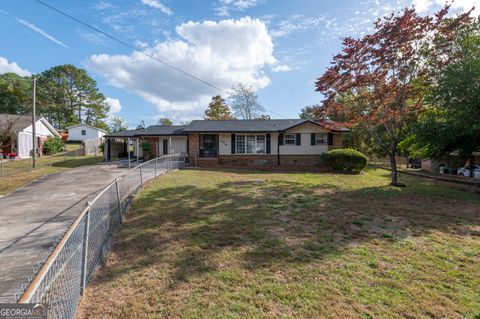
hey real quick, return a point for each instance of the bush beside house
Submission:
(53, 145)
(345, 160)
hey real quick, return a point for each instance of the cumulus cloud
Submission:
(114, 104)
(158, 5)
(12, 67)
(222, 53)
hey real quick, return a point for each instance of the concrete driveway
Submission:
(32, 217)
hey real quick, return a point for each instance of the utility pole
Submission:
(34, 131)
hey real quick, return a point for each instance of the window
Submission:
(261, 145)
(84, 132)
(289, 139)
(321, 139)
(240, 141)
(250, 144)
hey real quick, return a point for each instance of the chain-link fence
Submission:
(61, 279)
(11, 167)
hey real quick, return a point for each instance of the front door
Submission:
(165, 147)
(209, 146)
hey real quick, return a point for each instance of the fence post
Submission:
(65, 156)
(119, 201)
(1, 165)
(141, 177)
(156, 160)
(85, 250)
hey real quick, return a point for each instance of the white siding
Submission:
(305, 148)
(24, 141)
(41, 130)
(75, 133)
(176, 144)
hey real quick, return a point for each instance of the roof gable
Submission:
(87, 125)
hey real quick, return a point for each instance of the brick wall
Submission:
(261, 160)
(193, 148)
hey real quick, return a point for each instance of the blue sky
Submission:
(278, 46)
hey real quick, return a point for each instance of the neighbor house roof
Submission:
(82, 124)
(17, 123)
(249, 125)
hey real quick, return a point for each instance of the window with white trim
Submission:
(250, 144)
(321, 139)
(290, 139)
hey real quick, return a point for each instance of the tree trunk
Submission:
(393, 168)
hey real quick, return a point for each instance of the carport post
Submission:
(138, 151)
(128, 152)
(119, 201)
(85, 250)
(156, 160)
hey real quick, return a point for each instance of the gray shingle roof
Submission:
(242, 125)
(15, 122)
(154, 130)
(164, 130)
(205, 126)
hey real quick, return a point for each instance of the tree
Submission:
(70, 97)
(218, 110)
(308, 112)
(15, 94)
(117, 124)
(451, 121)
(384, 74)
(165, 121)
(244, 102)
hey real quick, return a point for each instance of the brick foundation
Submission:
(261, 161)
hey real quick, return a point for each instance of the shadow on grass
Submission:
(276, 222)
(80, 161)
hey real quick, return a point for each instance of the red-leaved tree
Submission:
(377, 81)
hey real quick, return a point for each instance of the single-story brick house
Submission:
(294, 142)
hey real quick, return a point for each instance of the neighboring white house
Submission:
(18, 132)
(82, 132)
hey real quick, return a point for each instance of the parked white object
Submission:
(465, 171)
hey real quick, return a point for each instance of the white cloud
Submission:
(281, 68)
(299, 23)
(158, 5)
(114, 104)
(103, 5)
(225, 6)
(41, 32)
(12, 67)
(222, 53)
(424, 6)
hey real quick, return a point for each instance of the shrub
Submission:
(345, 160)
(147, 149)
(53, 145)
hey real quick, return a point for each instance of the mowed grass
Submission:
(17, 173)
(243, 244)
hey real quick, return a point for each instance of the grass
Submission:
(246, 244)
(18, 172)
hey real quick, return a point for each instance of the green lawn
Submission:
(245, 244)
(18, 173)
